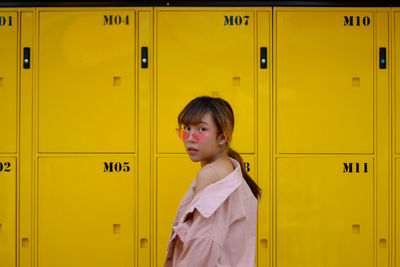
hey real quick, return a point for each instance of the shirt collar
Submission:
(212, 196)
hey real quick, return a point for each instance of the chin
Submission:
(194, 158)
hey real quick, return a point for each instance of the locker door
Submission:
(205, 52)
(325, 212)
(174, 175)
(324, 82)
(396, 139)
(396, 77)
(8, 187)
(86, 211)
(397, 213)
(8, 81)
(86, 81)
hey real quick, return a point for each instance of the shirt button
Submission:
(168, 259)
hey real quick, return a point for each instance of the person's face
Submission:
(201, 140)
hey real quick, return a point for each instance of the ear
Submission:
(221, 137)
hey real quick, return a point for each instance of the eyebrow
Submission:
(204, 122)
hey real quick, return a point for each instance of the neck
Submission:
(220, 156)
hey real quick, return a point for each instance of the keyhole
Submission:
(247, 164)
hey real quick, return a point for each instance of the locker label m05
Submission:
(116, 166)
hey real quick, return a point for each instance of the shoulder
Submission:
(205, 176)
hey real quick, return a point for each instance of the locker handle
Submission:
(25, 242)
(263, 57)
(144, 59)
(382, 57)
(27, 57)
(143, 243)
(264, 243)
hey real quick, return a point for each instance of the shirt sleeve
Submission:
(199, 252)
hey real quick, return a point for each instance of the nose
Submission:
(190, 135)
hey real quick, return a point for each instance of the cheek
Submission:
(200, 137)
(205, 139)
(185, 135)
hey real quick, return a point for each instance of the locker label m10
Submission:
(356, 21)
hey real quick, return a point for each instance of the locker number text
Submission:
(236, 20)
(356, 21)
(5, 21)
(116, 20)
(348, 167)
(5, 166)
(116, 166)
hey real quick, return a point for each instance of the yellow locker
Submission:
(208, 51)
(396, 136)
(86, 81)
(396, 202)
(86, 211)
(8, 81)
(173, 177)
(324, 81)
(331, 97)
(144, 135)
(325, 211)
(8, 207)
(396, 80)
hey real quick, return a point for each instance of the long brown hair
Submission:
(222, 114)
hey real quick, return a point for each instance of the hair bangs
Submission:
(193, 113)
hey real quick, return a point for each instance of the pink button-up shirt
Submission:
(222, 228)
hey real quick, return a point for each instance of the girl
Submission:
(215, 223)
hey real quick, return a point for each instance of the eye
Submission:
(186, 127)
(203, 128)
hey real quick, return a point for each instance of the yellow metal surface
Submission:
(382, 141)
(8, 81)
(263, 156)
(26, 190)
(86, 81)
(88, 93)
(325, 211)
(396, 79)
(8, 208)
(145, 131)
(331, 98)
(205, 51)
(396, 233)
(396, 137)
(85, 211)
(324, 82)
(171, 185)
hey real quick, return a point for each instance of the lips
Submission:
(192, 151)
